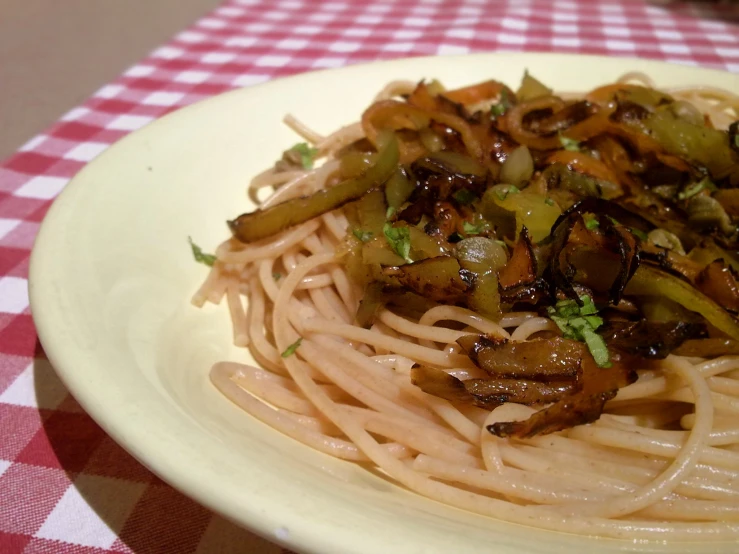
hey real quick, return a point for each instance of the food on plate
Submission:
(517, 302)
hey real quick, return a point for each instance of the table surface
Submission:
(65, 486)
(47, 65)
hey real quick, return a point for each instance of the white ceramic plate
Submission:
(112, 275)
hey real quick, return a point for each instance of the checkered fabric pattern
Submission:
(65, 486)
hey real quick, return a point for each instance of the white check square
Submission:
(109, 91)
(7, 225)
(217, 57)
(86, 151)
(129, 122)
(139, 71)
(248, 80)
(163, 98)
(192, 77)
(46, 392)
(42, 187)
(13, 295)
(272, 61)
(114, 499)
(451, 49)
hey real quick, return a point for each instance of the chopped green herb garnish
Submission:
(638, 233)
(641, 235)
(569, 144)
(364, 236)
(472, 229)
(455, 237)
(464, 196)
(399, 239)
(290, 350)
(502, 106)
(277, 276)
(548, 201)
(580, 323)
(695, 188)
(591, 222)
(200, 256)
(307, 154)
(503, 194)
(503, 244)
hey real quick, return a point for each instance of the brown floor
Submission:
(54, 54)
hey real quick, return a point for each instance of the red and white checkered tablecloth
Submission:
(65, 486)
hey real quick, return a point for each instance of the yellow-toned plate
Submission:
(112, 275)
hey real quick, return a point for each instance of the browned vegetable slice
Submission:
(704, 146)
(439, 383)
(596, 386)
(487, 393)
(597, 268)
(518, 121)
(480, 254)
(264, 223)
(474, 94)
(568, 412)
(610, 208)
(441, 173)
(708, 348)
(649, 339)
(614, 238)
(627, 92)
(705, 213)
(440, 278)
(558, 176)
(554, 359)
(651, 281)
(485, 297)
(520, 391)
(719, 282)
(561, 271)
(521, 268)
(628, 250)
(584, 164)
(564, 118)
(670, 261)
(371, 303)
(393, 115)
(729, 199)
(518, 278)
(734, 136)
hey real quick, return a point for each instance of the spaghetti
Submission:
(662, 460)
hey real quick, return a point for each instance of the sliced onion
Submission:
(518, 167)
(480, 254)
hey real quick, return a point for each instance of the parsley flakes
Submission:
(472, 229)
(464, 196)
(399, 239)
(502, 106)
(200, 256)
(290, 350)
(569, 144)
(591, 222)
(580, 323)
(307, 154)
(509, 189)
(364, 236)
(695, 188)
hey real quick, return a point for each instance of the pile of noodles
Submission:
(644, 470)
